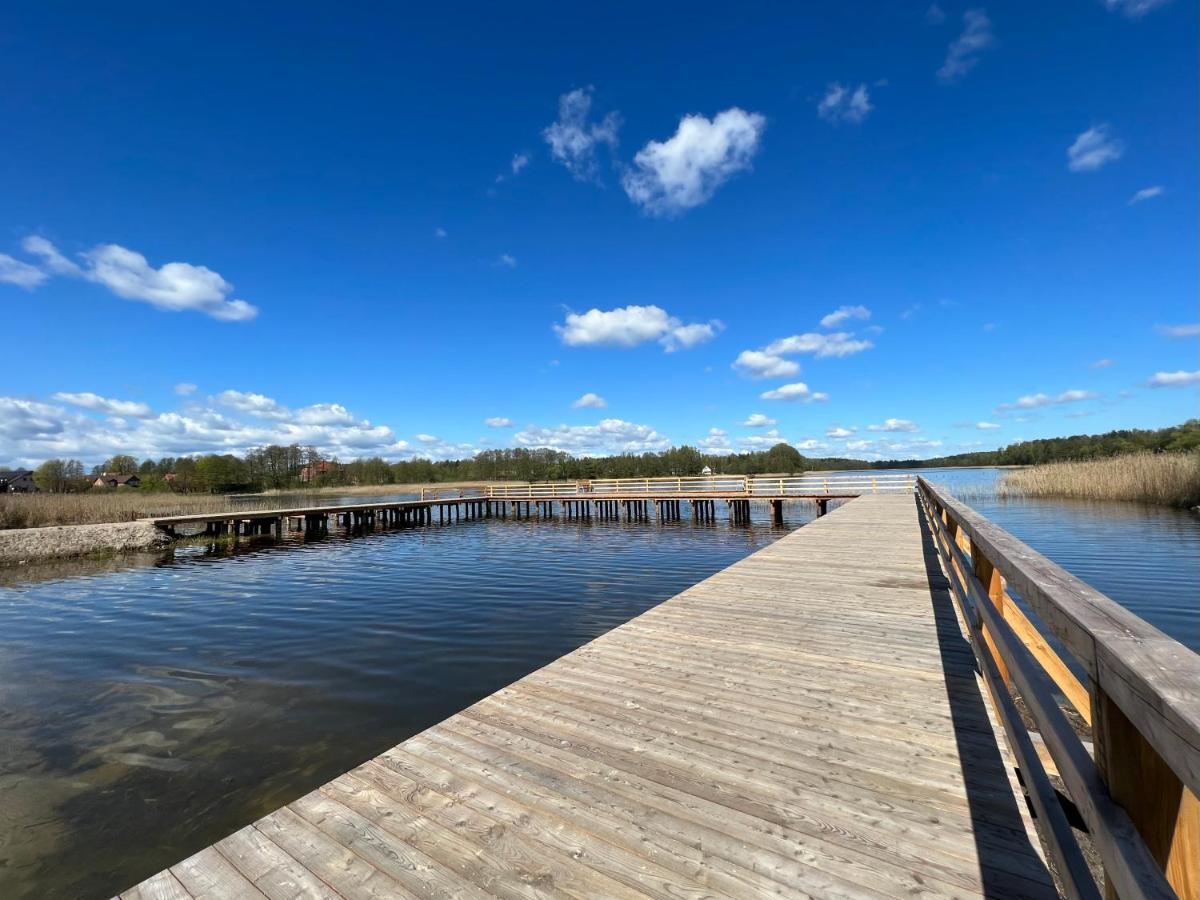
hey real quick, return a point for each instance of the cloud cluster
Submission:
(609, 436)
(963, 53)
(672, 176)
(1174, 379)
(772, 362)
(1036, 401)
(844, 314)
(841, 104)
(590, 401)
(498, 422)
(758, 420)
(174, 286)
(1094, 149)
(1134, 9)
(797, 392)
(88, 400)
(895, 425)
(573, 139)
(1188, 329)
(629, 326)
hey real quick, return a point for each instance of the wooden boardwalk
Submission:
(807, 722)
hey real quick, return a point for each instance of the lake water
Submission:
(150, 707)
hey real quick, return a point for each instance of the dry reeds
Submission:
(1169, 479)
(94, 508)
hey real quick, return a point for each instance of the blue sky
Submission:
(868, 229)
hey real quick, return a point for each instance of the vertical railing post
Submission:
(1163, 810)
(990, 578)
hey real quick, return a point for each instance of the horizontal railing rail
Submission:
(749, 486)
(1138, 796)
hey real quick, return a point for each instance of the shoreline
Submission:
(21, 546)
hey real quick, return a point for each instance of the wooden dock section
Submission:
(805, 723)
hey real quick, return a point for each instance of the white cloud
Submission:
(841, 104)
(717, 441)
(758, 420)
(1174, 379)
(844, 314)
(573, 139)
(175, 286)
(894, 425)
(22, 274)
(1134, 9)
(252, 403)
(840, 433)
(590, 401)
(934, 15)
(797, 391)
(629, 326)
(964, 50)
(1093, 149)
(759, 364)
(263, 407)
(986, 426)
(507, 260)
(428, 439)
(764, 441)
(440, 232)
(498, 422)
(184, 388)
(1189, 329)
(610, 436)
(88, 400)
(1102, 363)
(1035, 401)
(684, 171)
(519, 161)
(838, 344)
(1147, 193)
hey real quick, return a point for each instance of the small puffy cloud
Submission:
(797, 391)
(519, 161)
(840, 433)
(1134, 9)
(986, 426)
(1102, 363)
(610, 436)
(760, 364)
(844, 314)
(758, 420)
(506, 260)
(428, 439)
(764, 441)
(253, 404)
(1094, 149)
(1146, 193)
(844, 104)
(963, 54)
(1035, 401)
(1174, 379)
(716, 441)
(1187, 330)
(184, 388)
(440, 233)
(629, 326)
(573, 139)
(498, 422)
(590, 401)
(88, 400)
(22, 274)
(836, 344)
(894, 425)
(684, 171)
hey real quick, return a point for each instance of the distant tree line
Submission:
(297, 467)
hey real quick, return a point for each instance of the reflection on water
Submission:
(148, 710)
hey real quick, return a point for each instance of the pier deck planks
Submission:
(804, 723)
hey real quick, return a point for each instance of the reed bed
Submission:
(1168, 479)
(34, 510)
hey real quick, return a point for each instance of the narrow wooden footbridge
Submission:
(865, 708)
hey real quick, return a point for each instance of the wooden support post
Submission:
(822, 506)
(1163, 810)
(776, 512)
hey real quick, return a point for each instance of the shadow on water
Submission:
(999, 831)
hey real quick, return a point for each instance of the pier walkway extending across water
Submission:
(807, 722)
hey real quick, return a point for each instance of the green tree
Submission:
(59, 476)
(121, 465)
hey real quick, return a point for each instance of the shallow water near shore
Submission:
(148, 710)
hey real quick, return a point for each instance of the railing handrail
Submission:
(745, 485)
(1143, 699)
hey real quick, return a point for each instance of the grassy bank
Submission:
(1169, 479)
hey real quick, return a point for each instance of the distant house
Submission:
(112, 480)
(707, 470)
(17, 481)
(308, 473)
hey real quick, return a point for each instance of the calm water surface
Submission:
(148, 710)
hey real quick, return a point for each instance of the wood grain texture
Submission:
(805, 723)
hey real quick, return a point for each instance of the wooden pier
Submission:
(821, 719)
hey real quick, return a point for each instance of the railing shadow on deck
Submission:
(997, 824)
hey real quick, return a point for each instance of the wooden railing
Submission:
(750, 486)
(1140, 694)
